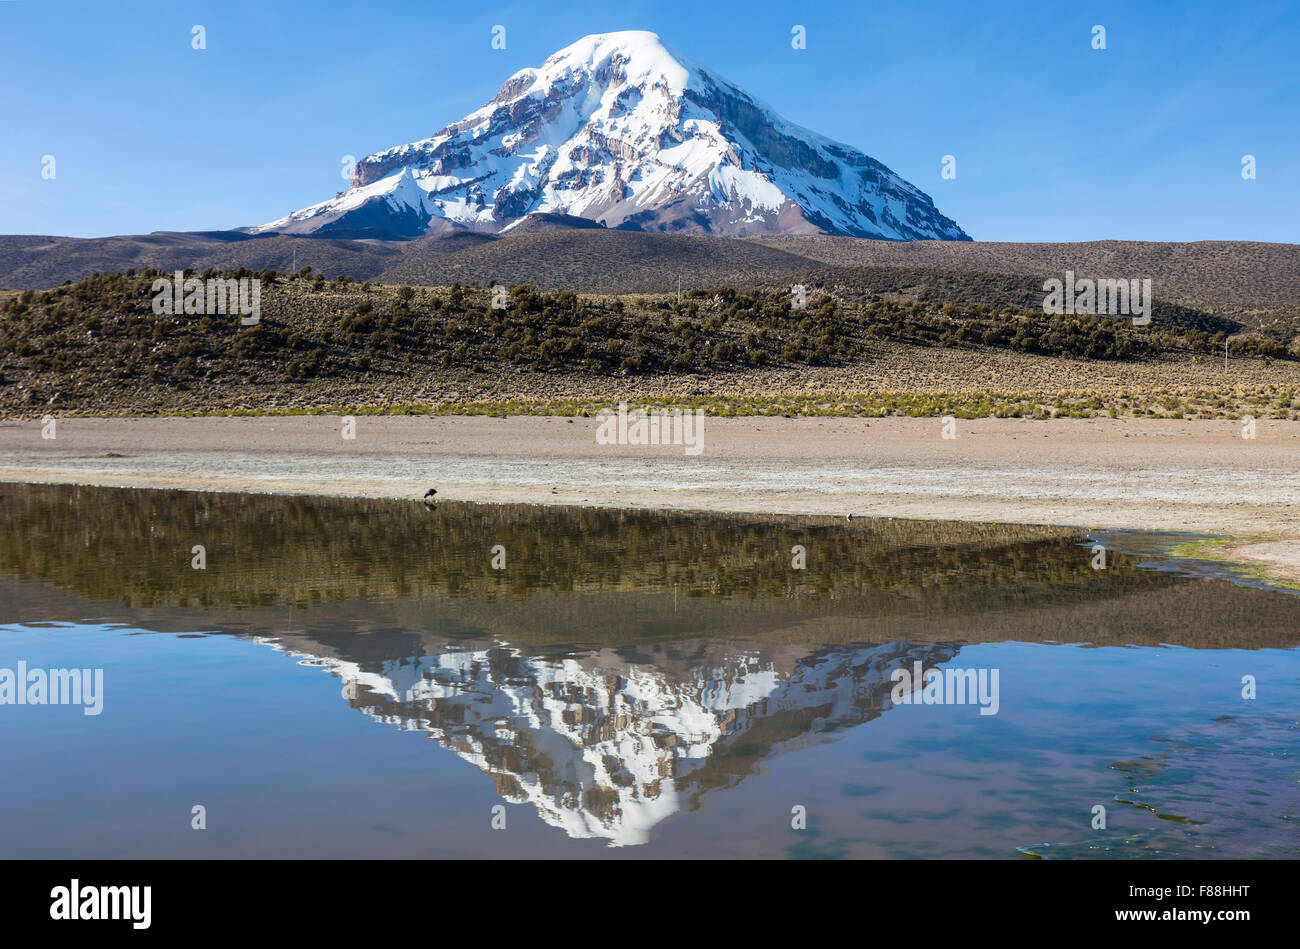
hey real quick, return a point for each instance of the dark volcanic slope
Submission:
(552, 221)
(1253, 283)
(1227, 277)
(40, 263)
(550, 253)
(604, 261)
(15, 248)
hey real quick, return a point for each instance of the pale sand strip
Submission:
(1098, 473)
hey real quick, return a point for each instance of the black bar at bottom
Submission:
(385, 899)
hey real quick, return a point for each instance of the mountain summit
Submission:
(620, 129)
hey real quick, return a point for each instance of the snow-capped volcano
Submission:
(618, 128)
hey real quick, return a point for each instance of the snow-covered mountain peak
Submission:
(631, 56)
(620, 128)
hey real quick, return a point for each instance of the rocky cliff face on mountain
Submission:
(618, 128)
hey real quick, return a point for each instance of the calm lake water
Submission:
(351, 678)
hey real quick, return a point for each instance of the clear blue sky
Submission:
(1053, 140)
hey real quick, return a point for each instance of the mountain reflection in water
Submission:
(609, 743)
(631, 667)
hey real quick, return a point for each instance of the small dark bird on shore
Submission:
(430, 493)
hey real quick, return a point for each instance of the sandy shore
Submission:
(1097, 473)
